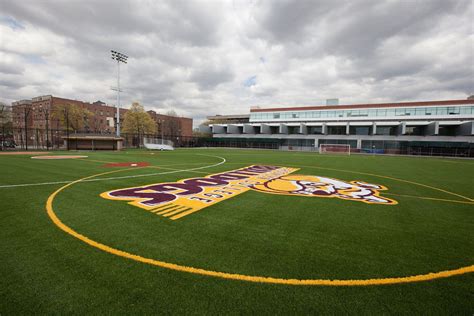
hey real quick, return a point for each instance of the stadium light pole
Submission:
(120, 58)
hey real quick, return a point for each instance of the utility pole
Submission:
(45, 112)
(119, 57)
(161, 121)
(46, 116)
(26, 114)
(66, 114)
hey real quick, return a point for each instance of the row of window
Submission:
(360, 130)
(410, 111)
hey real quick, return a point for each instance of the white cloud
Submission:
(194, 56)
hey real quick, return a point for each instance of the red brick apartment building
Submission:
(172, 125)
(38, 113)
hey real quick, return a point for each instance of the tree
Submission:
(71, 116)
(6, 124)
(198, 133)
(136, 120)
(172, 124)
(5, 116)
(217, 121)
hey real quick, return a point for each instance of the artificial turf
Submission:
(45, 270)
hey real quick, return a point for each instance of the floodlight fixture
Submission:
(120, 58)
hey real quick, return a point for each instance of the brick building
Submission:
(172, 125)
(38, 112)
(20, 110)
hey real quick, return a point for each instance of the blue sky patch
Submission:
(11, 22)
(250, 81)
(34, 59)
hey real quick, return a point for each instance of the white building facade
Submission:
(441, 126)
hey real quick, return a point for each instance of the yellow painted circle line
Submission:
(235, 276)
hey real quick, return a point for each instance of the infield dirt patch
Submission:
(58, 157)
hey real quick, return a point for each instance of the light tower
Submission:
(119, 57)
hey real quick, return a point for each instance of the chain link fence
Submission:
(54, 139)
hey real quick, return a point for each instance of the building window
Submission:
(400, 112)
(360, 130)
(336, 130)
(410, 111)
(453, 110)
(442, 111)
(386, 130)
(390, 112)
(447, 131)
(315, 129)
(414, 130)
(467, 109)
(276, 115)
(420, 111)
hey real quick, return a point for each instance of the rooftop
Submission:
(365, 106)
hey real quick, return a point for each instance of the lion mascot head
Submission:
(316, 186)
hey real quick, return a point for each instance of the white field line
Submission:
(223, 160)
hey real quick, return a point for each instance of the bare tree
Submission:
(172, 124)
(6, 124)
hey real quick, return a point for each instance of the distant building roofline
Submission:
(364, 106)
(229, 117)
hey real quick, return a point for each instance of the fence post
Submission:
(36, 138)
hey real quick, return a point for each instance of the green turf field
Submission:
(253, 235)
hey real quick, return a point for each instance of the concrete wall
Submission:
(283, 129)
(303, 129)
(466, 129)
(249, 129)
(402, 129)
(432, 129)
(205, 129)
(265, 129)
(233, 129)
(218, 129)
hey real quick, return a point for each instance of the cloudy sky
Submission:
(202, 58)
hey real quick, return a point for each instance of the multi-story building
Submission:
(37, 116)
(21, 110)
(39, 113)
(172, 126)
(386, 127)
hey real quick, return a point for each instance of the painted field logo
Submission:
(178, 199)
(315, 186)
